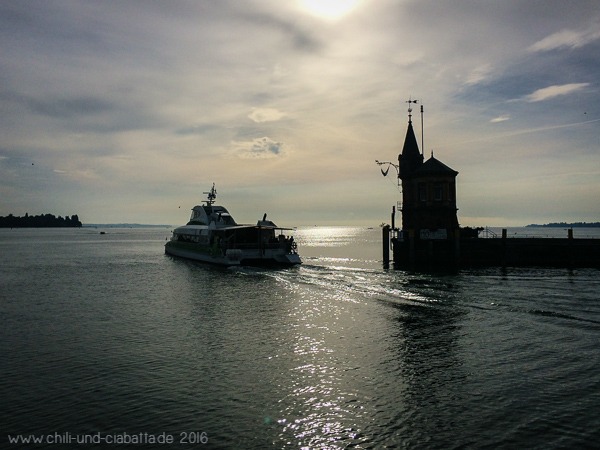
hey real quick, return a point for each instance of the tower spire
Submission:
(409, 101)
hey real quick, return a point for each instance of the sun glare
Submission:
(329, 9)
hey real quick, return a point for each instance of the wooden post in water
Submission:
(504, 247)
(570, 250)
(386, 244)
(411, 248)
(456, 247)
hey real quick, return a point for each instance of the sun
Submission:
(329, 9)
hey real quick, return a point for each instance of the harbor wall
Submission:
(500, 251)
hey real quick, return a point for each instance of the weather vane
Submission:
(409, 101)
(389, 164)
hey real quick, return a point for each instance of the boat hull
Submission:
(232, 257)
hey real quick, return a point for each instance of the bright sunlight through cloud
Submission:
(329, 9)
(289, 112)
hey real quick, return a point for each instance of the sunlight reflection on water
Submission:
(329, 236)
(335, 353)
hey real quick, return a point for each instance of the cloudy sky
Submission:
(127, 111)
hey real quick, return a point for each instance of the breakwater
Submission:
(409, 250)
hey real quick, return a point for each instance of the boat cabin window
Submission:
(198, 215)
(227, 219)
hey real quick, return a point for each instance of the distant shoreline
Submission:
(40, 221)
(123, 225)
(566, 225)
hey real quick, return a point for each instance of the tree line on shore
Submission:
(568, 225)
(40, 221)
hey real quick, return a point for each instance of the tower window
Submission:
(422, 192)
(438, 192)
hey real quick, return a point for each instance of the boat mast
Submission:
(211, 195)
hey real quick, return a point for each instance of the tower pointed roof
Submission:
(410, 158)
(435, 167)
(411, 148)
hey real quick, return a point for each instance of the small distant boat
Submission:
(213, 236)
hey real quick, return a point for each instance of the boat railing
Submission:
(488, 233)
(287, 245)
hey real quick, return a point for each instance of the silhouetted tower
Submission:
(428, 189)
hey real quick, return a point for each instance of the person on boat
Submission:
(216, 245)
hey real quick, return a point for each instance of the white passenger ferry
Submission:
(213, 236)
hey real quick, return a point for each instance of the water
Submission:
(103, 336)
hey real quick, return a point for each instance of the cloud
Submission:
(259, 148)
(156, 99)
(329, 9)
(566, 39)
(554, 91)
(479, 74)
(260, 115)
(67, 108)
(200, 128)
(502, 118)
(295, 36)
(80, 175)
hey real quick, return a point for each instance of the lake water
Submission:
(105, 338)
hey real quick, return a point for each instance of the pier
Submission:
(412, 252)
(431, 236)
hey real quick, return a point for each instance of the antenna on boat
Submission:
(211, 195)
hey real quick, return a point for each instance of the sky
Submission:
(128, 111)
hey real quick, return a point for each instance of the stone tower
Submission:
(428, 191)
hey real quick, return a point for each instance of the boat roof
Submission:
(233, 227)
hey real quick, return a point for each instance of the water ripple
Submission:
(337, 353)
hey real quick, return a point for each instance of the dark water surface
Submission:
(105, 336)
